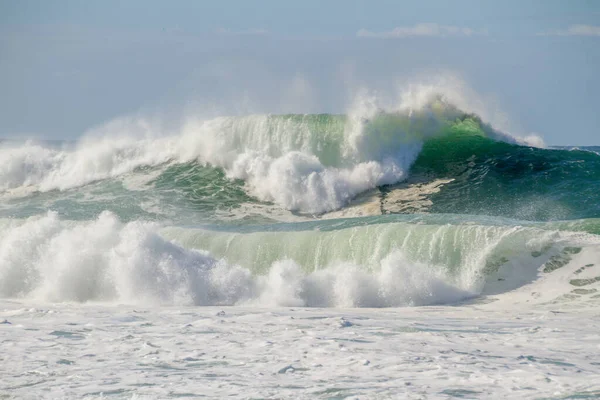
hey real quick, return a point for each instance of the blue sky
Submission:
(66, 66)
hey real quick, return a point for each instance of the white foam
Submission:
(45, 168)
(74, 351)
(101, 260)
(398, 282)
(298, 181)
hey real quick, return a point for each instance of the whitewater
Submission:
(414, 251)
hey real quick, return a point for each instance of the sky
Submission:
(68, 66)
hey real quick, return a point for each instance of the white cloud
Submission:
(575, 30)
(423, 29)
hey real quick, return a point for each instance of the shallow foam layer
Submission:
(142, 352)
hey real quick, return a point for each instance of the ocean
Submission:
(411, 253)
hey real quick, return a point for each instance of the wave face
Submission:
(498, 178)
(415, 206)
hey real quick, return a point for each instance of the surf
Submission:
(402, 263)
(312, 165)
(306, 163)
(409, 206)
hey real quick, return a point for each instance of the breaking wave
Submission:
(46, 258)
(142, 214)
(305, 163)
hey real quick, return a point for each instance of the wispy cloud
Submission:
(423, 29)
(575, 30)
(243, 32)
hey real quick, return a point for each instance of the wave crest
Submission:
(305, 163)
